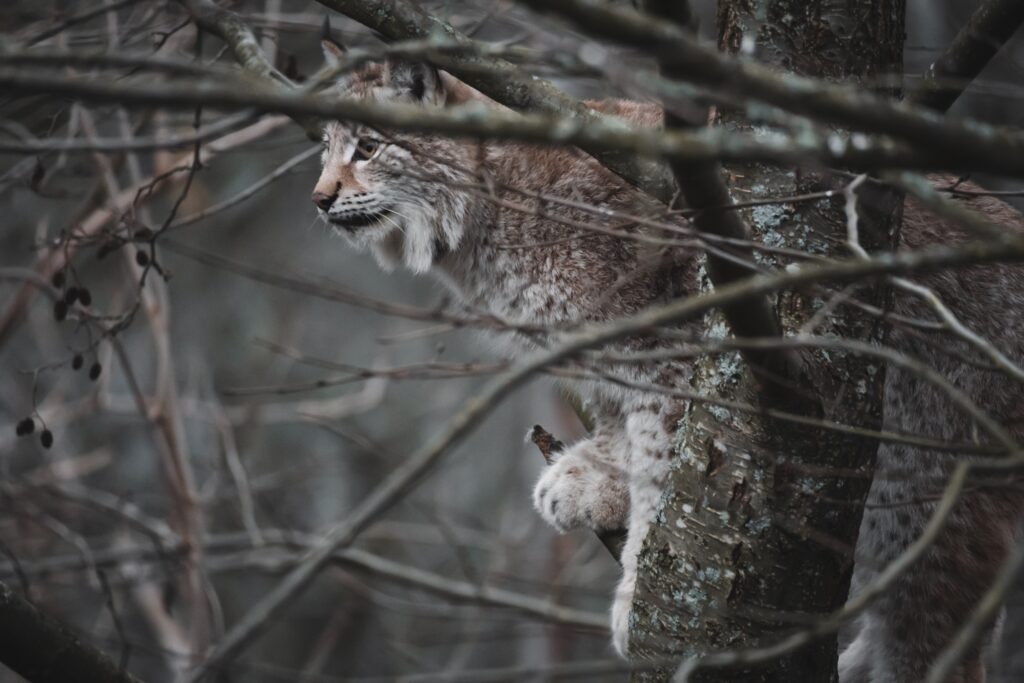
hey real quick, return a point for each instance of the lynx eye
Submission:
(365, 149)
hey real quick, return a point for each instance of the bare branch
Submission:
(503, 82)
(854, 107)
(416, 467)
(832, 623)
(977, 41)
(993, 155)
(702, 185)
(44, 650)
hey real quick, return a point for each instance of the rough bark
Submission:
(750, 529)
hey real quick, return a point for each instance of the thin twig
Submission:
(416, 467)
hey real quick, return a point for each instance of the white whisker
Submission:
(389, 214)
(398, 213)
(393, 222)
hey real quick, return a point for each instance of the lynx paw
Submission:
(580, 491)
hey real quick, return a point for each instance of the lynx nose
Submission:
(323, 200)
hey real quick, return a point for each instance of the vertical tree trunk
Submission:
(753, 527)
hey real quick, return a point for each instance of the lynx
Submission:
(471, 213)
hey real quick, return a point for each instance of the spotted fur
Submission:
(906, 630)
(539, 268)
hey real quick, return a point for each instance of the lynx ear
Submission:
(415, 81)
(334, 52)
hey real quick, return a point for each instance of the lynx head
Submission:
(386, 192)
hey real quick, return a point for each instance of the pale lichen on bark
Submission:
(737, 535)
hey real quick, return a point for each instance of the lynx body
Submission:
(473, 214)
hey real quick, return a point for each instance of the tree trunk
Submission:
(761, 516)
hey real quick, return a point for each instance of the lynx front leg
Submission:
(650, 430)
(587, 486)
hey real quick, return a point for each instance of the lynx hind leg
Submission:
(856, 660)
(588, 484)
(913, 623)
(651, 431)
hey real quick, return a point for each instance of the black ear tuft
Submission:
(334, 52)
(327, 38)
